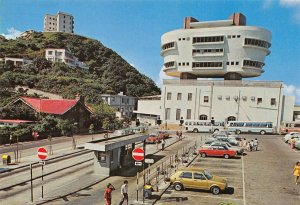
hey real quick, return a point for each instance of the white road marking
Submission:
(211, 196)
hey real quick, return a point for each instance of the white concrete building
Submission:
(216, 49)
(18, 62)
(64, 56)
(148, 109)
(225, 101)
(124, 104)
(61, 22)
(219, 49)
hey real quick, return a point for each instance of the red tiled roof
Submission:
(58, 107)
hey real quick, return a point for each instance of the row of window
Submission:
(255, 64)
(179, 96)
(184, 63)
(206, 98)
(169, 64)
(203, 51)
(207, 64)
(233, 36)
(187, 38)
(256, 42)
(232, 63)
(208, 39)
(168, 45)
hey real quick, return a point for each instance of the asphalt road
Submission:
(261, 177)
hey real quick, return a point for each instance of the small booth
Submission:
(113, 154)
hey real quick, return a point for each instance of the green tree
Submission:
(102, 111)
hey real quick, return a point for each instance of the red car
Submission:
(153, 137)
(219, 151)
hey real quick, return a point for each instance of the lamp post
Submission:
(74, 128)
(91, 131)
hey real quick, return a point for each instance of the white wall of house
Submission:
(244, 100)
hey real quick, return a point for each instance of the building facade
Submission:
(64, 56)
(148, 109)
(215, 49)
(18, 62)
(227, 49)
(61, 22)
(124, 105)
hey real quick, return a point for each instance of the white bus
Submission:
(203, 126)
(254, 127)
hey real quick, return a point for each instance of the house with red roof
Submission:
(74, 110)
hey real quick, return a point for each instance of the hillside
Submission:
(108, 72)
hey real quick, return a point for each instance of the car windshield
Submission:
(207, 175)
(228, 145)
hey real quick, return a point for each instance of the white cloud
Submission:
(293, 91)
(12, 33)
(294, 4)
(289, 3)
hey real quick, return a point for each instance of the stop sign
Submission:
(138, 154)
(42, 153)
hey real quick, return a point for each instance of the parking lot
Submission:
(259, 177)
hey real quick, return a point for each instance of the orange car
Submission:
(153, 137)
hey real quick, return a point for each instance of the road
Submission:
(261, 177)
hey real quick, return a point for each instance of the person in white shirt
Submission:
(124, 193)
(255, 144)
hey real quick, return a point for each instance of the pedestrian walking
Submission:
(251, 145)
(107, 193)
(292, 142)
(10, 139)
(296, 172)
(157, 143)
(255, 144)
(124, 193)
(163, 143)
(245, 143)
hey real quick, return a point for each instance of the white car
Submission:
(288, 136)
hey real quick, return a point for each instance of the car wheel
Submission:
(178, 186)
(262, 132)
(215, 190)
(195, 130)
(216, 130)
(203, 155)
(238, 132)
(226, 156)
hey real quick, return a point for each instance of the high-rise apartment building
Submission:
(61, 22)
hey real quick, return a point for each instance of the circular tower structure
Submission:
(215, 49)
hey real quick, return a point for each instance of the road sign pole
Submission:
(137, 186)
(42, 181)
(31, 187)
(144, 148)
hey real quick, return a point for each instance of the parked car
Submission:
(218, 151)
(230, 140)
(238, 149)
(153, 137)
(297, 144)
(163, 134)
(197, 178)
(288, 136)
(227, 134)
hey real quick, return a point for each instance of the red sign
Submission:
(42, 153)
(138, 154)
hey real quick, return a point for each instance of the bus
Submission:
(287, 127)
(203, 126)
(250, 127)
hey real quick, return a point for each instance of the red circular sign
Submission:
(42, 153)
(138, 154)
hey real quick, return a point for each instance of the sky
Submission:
(133, 28)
